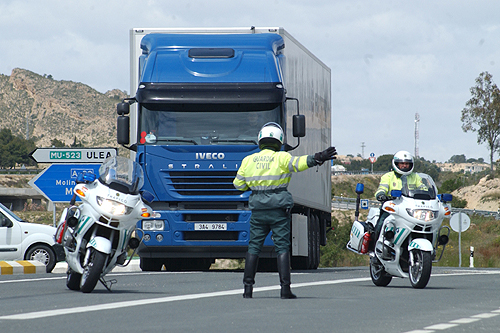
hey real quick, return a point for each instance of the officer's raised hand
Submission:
(327, 154)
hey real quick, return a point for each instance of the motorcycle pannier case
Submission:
(357, 233)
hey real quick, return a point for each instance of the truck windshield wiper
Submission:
(178, 140)
(235, 140)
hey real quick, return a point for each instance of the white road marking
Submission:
(126, 304)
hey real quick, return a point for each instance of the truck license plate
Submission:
(210, 226)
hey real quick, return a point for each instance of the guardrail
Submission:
(343, 203)
(20, 171)
(337, 173)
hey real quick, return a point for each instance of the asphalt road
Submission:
(330, 300)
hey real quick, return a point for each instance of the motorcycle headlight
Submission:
(113, 207)
(153, 225)
(422, 214)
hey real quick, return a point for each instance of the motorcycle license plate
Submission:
(210, 226)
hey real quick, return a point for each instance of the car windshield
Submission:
(219, 125)
(7, 211)
(419, 186)
(121, 174)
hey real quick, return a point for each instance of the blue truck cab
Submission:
(200, 101)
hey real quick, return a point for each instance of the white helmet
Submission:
(402, 156)
(270, 133)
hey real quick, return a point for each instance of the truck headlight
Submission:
(113, 207)
(153, 225)
(422, 214)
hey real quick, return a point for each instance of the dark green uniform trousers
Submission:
(262, 222)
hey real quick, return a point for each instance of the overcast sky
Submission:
(389, 59)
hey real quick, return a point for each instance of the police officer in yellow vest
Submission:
(268, 173)
(402, 164)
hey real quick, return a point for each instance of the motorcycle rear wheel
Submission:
(73, 279)
(92, 271)
(377, 272)
(420, 270)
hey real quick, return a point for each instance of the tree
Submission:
(14, 150)
(482, 113)
(457, 159)
(57, 143)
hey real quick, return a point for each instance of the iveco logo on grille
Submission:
(210, 156)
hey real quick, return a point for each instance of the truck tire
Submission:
(188, 264)
(150, 264)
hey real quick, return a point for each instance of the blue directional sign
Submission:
(364, 203)
(56, 183)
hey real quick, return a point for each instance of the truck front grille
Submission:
(202, 183)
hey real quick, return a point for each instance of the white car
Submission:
(21, 240)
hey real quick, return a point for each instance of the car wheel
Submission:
(43, 254)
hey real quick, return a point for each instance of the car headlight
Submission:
(422, 214)
(113, 207)
(153, 225)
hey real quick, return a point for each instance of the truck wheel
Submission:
(150, 264)
(92, 271)
(188, 264)
(43, 254)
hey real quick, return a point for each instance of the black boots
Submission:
(251, 263)
(284, 272)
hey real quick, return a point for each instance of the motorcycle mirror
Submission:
(396, 193)
(360, 188)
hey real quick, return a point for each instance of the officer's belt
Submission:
(275, 190)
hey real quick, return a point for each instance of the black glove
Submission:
(325, 155)
(382, 197)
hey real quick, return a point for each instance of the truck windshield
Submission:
(224, 126)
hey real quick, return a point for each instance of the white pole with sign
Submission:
(460, 222)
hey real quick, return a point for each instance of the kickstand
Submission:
(105, 283)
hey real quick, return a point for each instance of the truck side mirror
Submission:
(123, 123)
(123, 130)
(299, 125)
(122, 108)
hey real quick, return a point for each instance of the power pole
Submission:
(363, 150)
(417, 120)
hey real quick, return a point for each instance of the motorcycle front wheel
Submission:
(92, 271)
(377, 272)
(420, 268)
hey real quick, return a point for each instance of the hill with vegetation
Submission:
(39, 108)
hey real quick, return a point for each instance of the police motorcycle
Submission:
(98, 233)
(411, 235)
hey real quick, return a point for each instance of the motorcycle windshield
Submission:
(121, 174)
(418, 186)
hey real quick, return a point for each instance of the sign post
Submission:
(372, 159)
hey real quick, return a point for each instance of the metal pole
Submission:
(54, 205)
(459, 239)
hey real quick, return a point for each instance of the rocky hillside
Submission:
(483, 196)
(59, 110)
